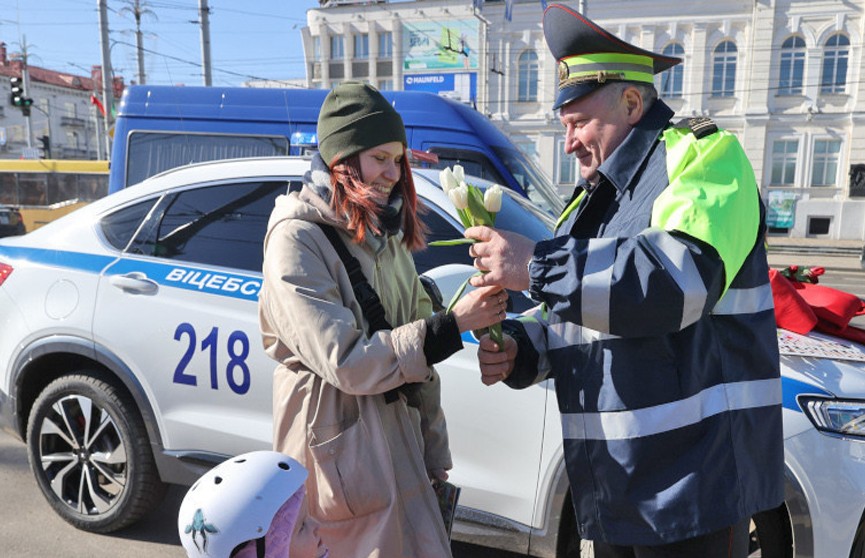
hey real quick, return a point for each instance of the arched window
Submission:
(835, 55)
(792, 66)
(527, 76)
(671, 80)
(724, 69)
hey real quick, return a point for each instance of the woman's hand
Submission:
(480, 308)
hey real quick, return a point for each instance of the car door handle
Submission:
(135, 283)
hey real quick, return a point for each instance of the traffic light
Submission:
(18, 97)
(46, 146)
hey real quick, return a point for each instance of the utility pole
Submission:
(204, 15)
(583, 7)
(107, 79)
(25, 76)
(137, 11)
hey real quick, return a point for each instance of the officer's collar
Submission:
(627, 159)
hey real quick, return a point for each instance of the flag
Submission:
(544, 5)
(509, 9)
(478, 4)
(94, 100)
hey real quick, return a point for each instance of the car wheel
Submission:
(773, 535)
(89, 451)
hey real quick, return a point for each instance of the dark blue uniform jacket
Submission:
(666, 370)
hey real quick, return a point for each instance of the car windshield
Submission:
(538, 187)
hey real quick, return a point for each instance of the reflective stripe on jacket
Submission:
(661, 339)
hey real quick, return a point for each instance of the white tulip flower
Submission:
(493, 198)
(459, 173)
(448, 180)
(460, 196)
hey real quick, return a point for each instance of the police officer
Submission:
(656, 321)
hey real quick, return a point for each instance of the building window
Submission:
(316, 48)
(671, 80)
(337, 47)
(361, 46)
(784, 162)
(566, 165)
(385, 44)
(825, 170)
(385, 85)
(527, 67)
(792, 66)
(724, 70)
(835, 55)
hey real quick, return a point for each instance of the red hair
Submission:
(361, 204)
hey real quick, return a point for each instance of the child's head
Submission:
(305, 542)
(246, 506)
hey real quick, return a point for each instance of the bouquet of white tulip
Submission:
(475, 208)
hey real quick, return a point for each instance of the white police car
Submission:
(130, 357)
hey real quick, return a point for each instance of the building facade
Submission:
(63, 123)
(784, 75)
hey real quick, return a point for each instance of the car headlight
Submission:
(835, 416)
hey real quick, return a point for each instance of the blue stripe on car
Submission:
(219, 283)
(793, 388)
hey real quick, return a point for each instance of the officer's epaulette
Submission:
(700, 126)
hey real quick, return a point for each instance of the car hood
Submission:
(827, 364)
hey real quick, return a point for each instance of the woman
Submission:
(341, 404)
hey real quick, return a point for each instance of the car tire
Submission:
(89, 451)
(774, 537)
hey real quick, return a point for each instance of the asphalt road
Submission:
(29, 528)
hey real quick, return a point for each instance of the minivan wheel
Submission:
(90, 454)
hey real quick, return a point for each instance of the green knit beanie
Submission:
(355, 117)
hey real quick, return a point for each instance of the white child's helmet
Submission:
(236, 502)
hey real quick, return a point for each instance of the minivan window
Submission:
(533, 181)
(150, 153)
(474, 163)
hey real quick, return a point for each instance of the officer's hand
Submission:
(496, 365)
(502, 255)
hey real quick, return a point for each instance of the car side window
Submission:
(217, 225)
(440, 229)
(120, 226)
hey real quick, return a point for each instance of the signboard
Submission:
(440, 45)
(461, 87)
(781, 210)
(31, 153)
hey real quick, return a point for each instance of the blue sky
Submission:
(249, 38)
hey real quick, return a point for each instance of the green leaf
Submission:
(477, 209)
(452, 242)
(459, 292)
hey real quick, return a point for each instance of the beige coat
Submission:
(368, 460)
